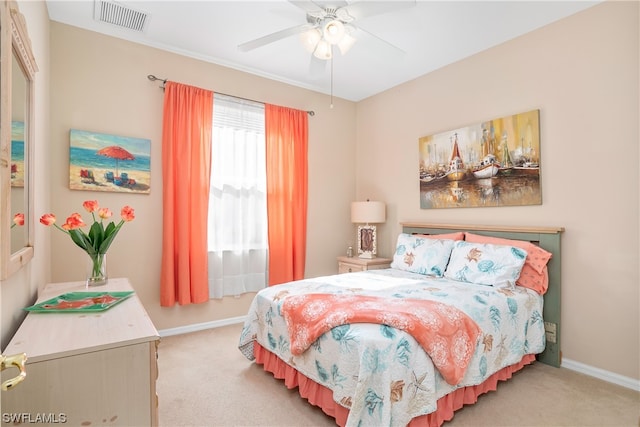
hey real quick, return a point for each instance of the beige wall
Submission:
(582, 74)
(101, 85)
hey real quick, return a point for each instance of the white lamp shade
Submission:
(368, 212)
(310, 39)
(333, 31)
(323, 50)
(346, 43)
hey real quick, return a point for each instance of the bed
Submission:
(455, 314)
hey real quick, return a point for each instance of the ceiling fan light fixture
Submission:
(310, 39)
(346, 43)
(323, 50)
(333, 31)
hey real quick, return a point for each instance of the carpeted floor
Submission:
(204, 380)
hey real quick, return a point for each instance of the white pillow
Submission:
(485, 264)
(420, 255)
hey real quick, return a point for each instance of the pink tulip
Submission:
(104, 213)
(48, 219)
(90, 205)
(18, 219)
(73, 222)
(127, 213)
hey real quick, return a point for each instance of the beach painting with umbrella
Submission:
(102, 162)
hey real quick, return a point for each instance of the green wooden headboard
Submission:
(547, 238)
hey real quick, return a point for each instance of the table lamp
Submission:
(367, 213)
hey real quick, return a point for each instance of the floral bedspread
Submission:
(382, 374)
(447, 334)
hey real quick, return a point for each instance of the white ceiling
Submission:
(430, 33)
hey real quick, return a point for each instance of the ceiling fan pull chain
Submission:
(331, 78)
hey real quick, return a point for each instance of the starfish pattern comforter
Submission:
(382, 374)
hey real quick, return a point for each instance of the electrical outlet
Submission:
(550, 331)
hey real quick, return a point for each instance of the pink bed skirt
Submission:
(321, 396)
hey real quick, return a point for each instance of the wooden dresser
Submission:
(87, 368)
(352, 264)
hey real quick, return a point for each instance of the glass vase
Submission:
(97, 270)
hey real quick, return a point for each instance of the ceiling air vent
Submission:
(120, 15)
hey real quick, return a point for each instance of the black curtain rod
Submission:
(164, 81)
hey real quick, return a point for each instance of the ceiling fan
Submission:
(330, 23)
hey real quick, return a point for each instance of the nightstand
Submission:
(351, 264)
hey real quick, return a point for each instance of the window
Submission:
(187, 159)
(237, 230)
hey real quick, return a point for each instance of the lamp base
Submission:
(367, 245)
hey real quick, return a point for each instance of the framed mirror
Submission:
(17, 74)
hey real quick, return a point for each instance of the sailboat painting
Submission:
(493, 163)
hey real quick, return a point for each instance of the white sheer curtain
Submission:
(238, 246)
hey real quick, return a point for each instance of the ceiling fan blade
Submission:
(306, 5)
(365, 9)
(318, 7)
(273, 37)
(331, 4)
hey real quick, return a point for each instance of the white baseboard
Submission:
(566, 363)
(201, 326)
(608, 376)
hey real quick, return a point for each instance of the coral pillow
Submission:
(529, 278)
(449, 236)
(534, 274)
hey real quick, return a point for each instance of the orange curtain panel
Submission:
(186, 170)
(286, 132)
